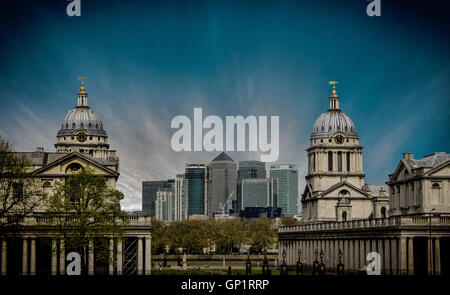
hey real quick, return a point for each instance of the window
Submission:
(344, 216)
(314, 161)
(339, 154)
(330, 161)
(348, 161)
(73, 125)
(383, 212)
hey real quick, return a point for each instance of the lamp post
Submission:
(321, 265)
(340, 266)
(316, 263)
(430, 244)
(248, 264)
(299, 263)
(283, 266)
(265, 267)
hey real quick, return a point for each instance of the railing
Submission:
(395, 221)
(48, 219)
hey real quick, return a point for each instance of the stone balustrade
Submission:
(396, 221)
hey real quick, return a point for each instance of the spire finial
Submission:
(334, 98)
(82, 94)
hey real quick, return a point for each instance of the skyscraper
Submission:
(196, 179)
(222, 172)
(181, 198)
(257, 193)
(164, 205)
(287, 176)
(149, 190)
(248, 170)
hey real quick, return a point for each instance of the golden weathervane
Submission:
(333, 82)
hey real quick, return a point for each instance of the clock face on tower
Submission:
(81, 137)
(339, 139)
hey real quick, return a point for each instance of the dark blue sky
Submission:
(148, 61)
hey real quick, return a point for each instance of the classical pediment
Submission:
(442, 170)
(344, 189)
(69, 163)
(402, 169)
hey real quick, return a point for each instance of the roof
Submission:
(222, 157)
(376, 188)
(431, 160)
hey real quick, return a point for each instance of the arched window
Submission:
(344, 216)
(73, 125)
(90, 125)
(435, 194)
(383, 212)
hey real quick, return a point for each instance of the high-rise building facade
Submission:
(149, 190)
(248, 170)
(197, 191)
(164, 205)
(287, 176)
(222, 174)
(181, 197)
(258, 193)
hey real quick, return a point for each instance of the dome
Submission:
(331, 122)
(82, 118)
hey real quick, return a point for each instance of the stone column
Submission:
(356, 247)
(402, 256)
(347, 255)
(362, 253)
(111, 257)
(4, 256)
(140, 256)
(33, 257)
(410, 256)
(119, 257)
(24, 257)
(430, 256)
(437, 257)
(351, 253)
(62, 257)
(54, 258)
(91, 258)
(387, 257)
(394, 258)
(381, 252)
(148, 255)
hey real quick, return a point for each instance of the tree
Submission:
(262, 234)
(159, 236)
(230, 234)
(86, 212)
(20, 192)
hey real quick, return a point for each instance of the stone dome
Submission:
(331, 122)
(82, 118)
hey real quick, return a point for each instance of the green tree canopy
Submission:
(20, 192)
(86, 212)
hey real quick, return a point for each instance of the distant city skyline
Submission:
(146, 62)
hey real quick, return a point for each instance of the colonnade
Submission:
(396, 253)
(115, 265)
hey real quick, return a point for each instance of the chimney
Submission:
(408, 156)
(40, 149)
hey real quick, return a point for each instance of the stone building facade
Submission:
(406, 221)
(81, 144)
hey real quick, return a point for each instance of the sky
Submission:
(146, 62)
